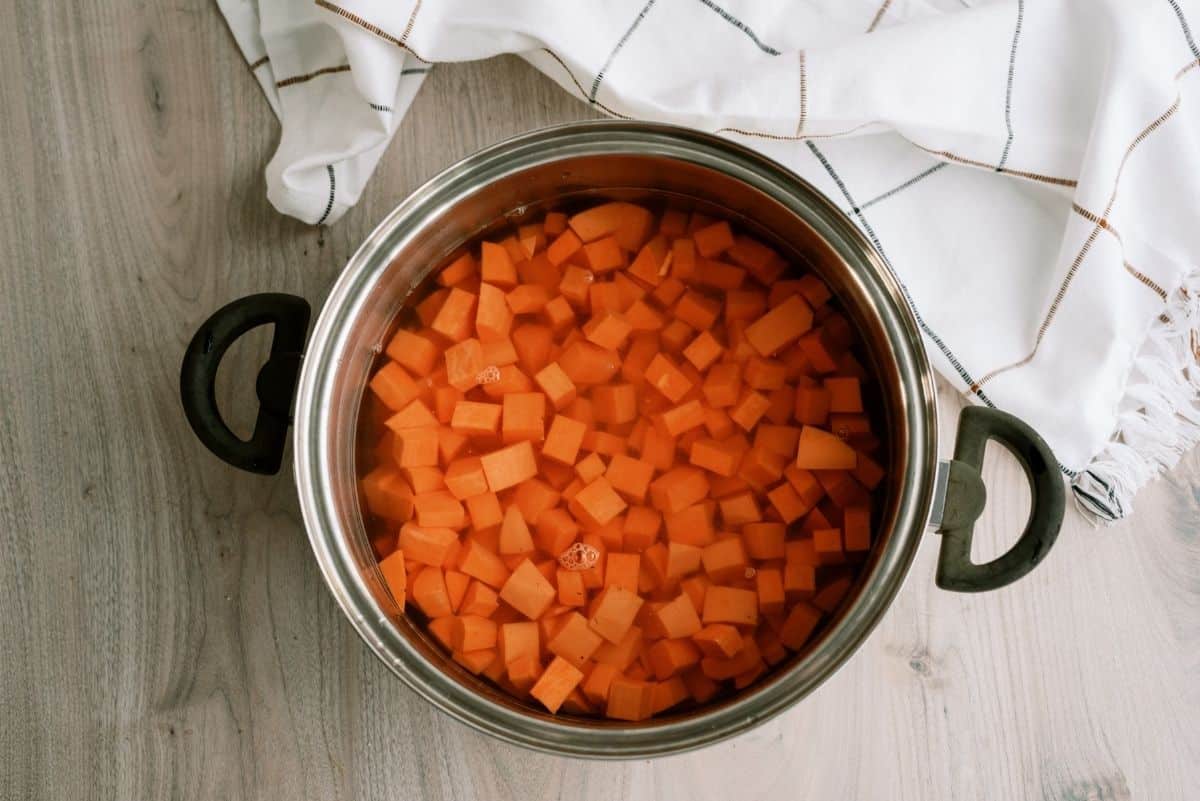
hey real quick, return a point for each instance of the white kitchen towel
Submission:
(1030, 169)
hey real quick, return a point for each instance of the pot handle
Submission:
(275, 387)
(965, 497)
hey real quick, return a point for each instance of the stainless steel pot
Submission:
(557, 167)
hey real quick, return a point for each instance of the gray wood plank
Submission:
(166, 633)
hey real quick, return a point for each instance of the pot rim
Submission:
(655, 737)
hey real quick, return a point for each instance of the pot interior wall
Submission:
(507, 199)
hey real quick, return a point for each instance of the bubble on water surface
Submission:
(580, 556)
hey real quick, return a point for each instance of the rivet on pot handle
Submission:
(275, 387)
(962, 490)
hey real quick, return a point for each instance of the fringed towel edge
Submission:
(1163, 421)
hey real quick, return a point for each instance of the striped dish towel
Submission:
(1030, 170)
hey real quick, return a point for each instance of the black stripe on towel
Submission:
(1012, 62)
(332, 192)
(962, 371)
(737, 23)
(620, 43)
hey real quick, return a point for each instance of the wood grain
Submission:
(165, 631)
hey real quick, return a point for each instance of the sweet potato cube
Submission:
(603, 255)
(514, 533)
(596, 684)
(749, 409)
(845, 396)
(629, 476)
(465, 479)
(725, 560)
(524, 417)
(473, 633)
(394, 387)
(464, 363)
(496, 265)
(557, 385)
(439, 509)
(629, 699)
(455, 318)
(607, 329)
(764, 540)
(430, 593)
(395, 576)
(703, 351)
(678, 618)
(575, 641)
(697, 310)
(682, 559)
(723, 385)
(780, 326)
(801, 621)
(820, 450)
(493, 317)
(678, 488)
(668, 657)
(721, 458)
(479, 599)
(662, 374)
(597, 503)
(730, 605)
(414, 352)
(621, 570)
(417, 447)
(564, 440)
(528, 591)
(518, 640)
(476, 419)
(509, 466)
(425, 545)
(555, 531)
(477, 561)
(713, 240)
(768, 583)
(571, 590)
(691, 525)
(718, 640)
(458, 270)
(613, 613)
(556, 683)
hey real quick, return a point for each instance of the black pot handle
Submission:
(965, 497)
(275, 387)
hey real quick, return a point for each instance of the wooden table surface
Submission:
(165, 632)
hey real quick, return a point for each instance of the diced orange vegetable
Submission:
(678, 488)
(524, 417)
(820, 450)
(697, 310)
(613, 613)
(395, 576)
(714, 239)
(615, 403)
(456, 316)
(629, 699)
(476, 419)
(629, 476)
(718, 640)
(427, 546)
(575, 641)
(496, 265)
(464, 363)
(730, 605)
(528, 591)
(597, 503)
(555, 530)
(722, 385)
(509, 466)
(780, 326)
(691, 525)
(465, 479)
(801, 621)
(556, 683)
(414, 352)
(439, 510)
(764, 541)
(430, 593)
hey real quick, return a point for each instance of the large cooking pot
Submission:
(553, 168)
